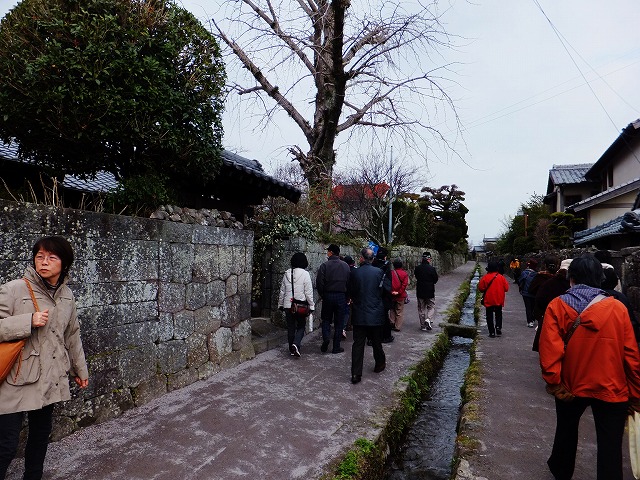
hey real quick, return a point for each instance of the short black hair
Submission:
(397, 263)
(59, 246)
(333, 248)
(586, 270)
(610, 279)
(492, 267)
(299, 260)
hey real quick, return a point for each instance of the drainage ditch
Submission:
(428, 450)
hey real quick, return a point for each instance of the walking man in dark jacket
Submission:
(426, 279)
(331, 283)
(365, 291)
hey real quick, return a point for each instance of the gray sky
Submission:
(523, 102)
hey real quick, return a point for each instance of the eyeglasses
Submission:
(50, 258)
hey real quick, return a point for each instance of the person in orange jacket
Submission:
(494, 286)
(591, 363)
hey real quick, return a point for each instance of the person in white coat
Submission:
(296, 282)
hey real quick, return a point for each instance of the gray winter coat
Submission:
(52, 352)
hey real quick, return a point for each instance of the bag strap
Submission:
(33, 297)
(487, 289)
(293, 293)
(577, 321)
(35, 304)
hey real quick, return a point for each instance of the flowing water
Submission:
(428, 450)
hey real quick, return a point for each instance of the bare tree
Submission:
(333, 67)
(364, 192)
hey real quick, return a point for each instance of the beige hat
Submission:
(564, 265)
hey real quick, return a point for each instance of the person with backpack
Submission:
(526, 277)
(494, 287)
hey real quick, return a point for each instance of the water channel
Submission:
(428, 450)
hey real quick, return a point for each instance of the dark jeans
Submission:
(37, 441)
(609, 418)
(333, 307)
(360, 336)
(295, 328)
(497, 310)
(529, 304)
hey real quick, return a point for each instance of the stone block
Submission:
(196, 294)
(62, 427)
(231, 311)
(138, 364)
(149, 390)
(108, 293)
(206, 320)
(197, 351)
(176, 262)
(104, 316)
(231, 285)
(205, 263)
(216, 292)
(171, 297)
(183, 324)
(220, 344)
(244, 283)
(172, 356)
(208, 369)
(103, 373)
(247, 352)
(182, 378)
(233, 359)
(241, 335)
(165, 328)
(225, 261)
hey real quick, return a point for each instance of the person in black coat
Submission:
(367, 315)
(552, 288)
(426, 279)
(382, 262)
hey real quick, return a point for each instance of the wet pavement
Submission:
(273, 417)
(517, 416)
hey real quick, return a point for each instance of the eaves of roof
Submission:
(105, 181)
(606, 195)
(627, 140)
(612, 227)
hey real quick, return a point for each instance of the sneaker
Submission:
(498, 332)
(294, 350)
(388, 339)
(291, 351)
(530, 324)
(339, 350)
(492, 335)
(344, 334)
(423, 328)
(325, 346)
(428, 324)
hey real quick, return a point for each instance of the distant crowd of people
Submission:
(369, 299)
(587, 338)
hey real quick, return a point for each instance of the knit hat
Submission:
(426, 255)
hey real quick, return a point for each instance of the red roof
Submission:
(359, 191)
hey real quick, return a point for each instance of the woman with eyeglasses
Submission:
(39, 307)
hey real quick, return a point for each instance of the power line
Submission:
(564, 43)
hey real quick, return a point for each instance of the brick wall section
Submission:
(161, 304)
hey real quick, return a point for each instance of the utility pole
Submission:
(390, 235)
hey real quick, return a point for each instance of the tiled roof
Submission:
(105, 181)
(612, 227)
(565, 174)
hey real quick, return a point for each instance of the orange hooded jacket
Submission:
(601, 360)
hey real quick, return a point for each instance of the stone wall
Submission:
(161, 304)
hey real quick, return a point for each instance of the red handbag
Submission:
(299, 308)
